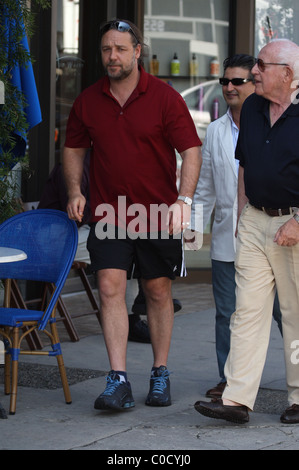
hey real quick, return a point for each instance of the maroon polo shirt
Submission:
(133, 146)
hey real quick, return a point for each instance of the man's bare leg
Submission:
(115, 325)
(160, 316)
(114, 315)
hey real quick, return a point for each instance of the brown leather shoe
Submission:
(216, 409)
(290, 415)
(217, 391)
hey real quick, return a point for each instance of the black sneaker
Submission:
(117, 395)
(139, 305)
(159, 393)
(138, 330)
(176, 305)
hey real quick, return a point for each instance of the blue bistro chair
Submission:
(49, 238)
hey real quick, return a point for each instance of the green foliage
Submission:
(12, 116)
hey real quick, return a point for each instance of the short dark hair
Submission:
(135, 33)
(239, 60)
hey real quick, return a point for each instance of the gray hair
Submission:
(287, 52)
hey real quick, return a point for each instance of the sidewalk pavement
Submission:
(44, 422)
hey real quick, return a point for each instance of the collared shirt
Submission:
(269, 154)
(133, 147)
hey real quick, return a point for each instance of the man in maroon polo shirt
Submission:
(133, 123)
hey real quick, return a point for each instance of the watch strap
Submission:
(187, 200)
(296, 217)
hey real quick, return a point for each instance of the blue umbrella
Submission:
(21, 77)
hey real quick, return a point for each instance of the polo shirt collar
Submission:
(292, 110)
(143, 81)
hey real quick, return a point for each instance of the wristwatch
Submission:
(296, 217)
(187, 200)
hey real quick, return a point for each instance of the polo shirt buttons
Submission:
(121, 113)
(267, 141)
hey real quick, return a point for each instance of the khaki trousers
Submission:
(260, 265)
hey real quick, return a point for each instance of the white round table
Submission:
(9, 255)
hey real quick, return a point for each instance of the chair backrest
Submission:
(49, 239)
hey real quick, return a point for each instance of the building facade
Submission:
(66, 52)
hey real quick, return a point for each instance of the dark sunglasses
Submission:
(235, 81)
(262, 65)
(120, 26)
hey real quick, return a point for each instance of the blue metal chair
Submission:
(49, 238)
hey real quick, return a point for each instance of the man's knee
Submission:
(111, 284)
(157, 290)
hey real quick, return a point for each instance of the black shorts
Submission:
(141, 258)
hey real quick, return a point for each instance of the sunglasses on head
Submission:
(120, 26)
(262, 65)
(235, 81)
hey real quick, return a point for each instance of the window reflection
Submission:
(68, 66)
(186, 27)
(276, 19)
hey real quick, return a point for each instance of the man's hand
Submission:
(288, 234)
(178, 219)
(75, 207)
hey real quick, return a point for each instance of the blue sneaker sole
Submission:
(130, 404)
(101, 405)
(153, 402)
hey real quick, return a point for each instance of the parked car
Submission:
(206, 103)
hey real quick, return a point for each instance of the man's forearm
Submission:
(192, 160)
(180, 213)
(73, 162)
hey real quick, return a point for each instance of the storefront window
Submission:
(197, 29)
(276, 19)
(187, 28)
(68, 66)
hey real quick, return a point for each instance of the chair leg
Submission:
(65, 317)
(65, 385)
(7, 380)
(7, 360)
(14, 387)
(7, 293)
(14, 371)
(61, 367)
